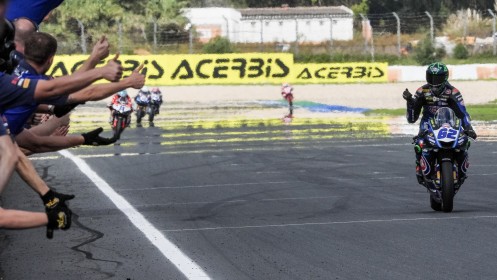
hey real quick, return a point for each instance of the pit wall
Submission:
(265, 68)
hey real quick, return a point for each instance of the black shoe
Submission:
(152, 124)
(138, 125)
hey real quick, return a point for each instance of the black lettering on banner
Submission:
(360, 72)
(347, 72)
(217, 70)
(59, 67)
(258, 68)
(283, 67)
(268, 68)
(318, 73)
(242, 68)
(333, 74)
(160, 71)
(198, 70)
(186, 66)
(380, 73)
(305, 74)
(77, 65)
(133, 64)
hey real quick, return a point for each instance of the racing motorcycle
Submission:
(121, 118)
(142, 103)
(442, 139)
(153, 107)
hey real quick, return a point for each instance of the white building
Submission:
(268, 25)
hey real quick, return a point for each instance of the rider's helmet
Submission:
(437, 76)
(123, 93)
(145, 90)
(155, 90)
(286, 88)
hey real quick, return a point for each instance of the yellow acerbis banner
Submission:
(224, 69)
(332, 73)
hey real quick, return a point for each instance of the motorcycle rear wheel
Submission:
(448, 190)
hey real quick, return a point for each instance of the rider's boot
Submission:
(419, 173)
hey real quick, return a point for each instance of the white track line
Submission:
(205, 186)
(331, 223)
(182, 262)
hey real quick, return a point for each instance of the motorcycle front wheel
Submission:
(448, 190)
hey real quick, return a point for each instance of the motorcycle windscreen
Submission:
(445, 117)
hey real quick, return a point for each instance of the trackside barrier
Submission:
(468, 72)
(231, 69)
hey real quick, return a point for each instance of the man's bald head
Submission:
(24, 29)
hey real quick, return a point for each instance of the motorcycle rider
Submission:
(142, 100)
(120, 98)
(437, 93)
(287, 94)
(156, 100)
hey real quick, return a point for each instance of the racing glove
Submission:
(58, 218)
(407, 95)
(62, 110)
(471, 133)
(93, 138)
(54, 200)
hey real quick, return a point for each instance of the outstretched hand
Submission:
(101, 49)
(93, 138)
(113, 71)
(136, 79)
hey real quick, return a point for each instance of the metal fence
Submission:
(375, 35)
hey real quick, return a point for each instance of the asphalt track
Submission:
(343, 207)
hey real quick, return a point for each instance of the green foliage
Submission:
(426, 53)
(361, 8)
(461, 52)
(218, 45)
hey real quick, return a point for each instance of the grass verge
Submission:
(483, 112)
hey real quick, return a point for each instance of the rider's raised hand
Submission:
(407, 95)
(136, 79)
(101, 49)
(113, 71)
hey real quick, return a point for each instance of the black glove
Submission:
(93, 138)
(62, 110)
(58, 218)
(407, 95)
(53, 200)
(471, 133)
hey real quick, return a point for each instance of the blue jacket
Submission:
(18, 116)
(425, 100)
(36, 10)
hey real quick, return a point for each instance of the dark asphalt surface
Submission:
(320, 209)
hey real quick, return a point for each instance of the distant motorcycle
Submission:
(141, 111)
(121, 118)
(153, 107)
(444, 136)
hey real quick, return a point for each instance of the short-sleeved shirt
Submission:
(18, 116)
(36, 10)
(16, 91)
